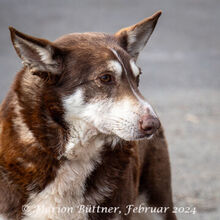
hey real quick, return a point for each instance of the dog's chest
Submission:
(61, 198)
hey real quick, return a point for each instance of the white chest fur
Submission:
(59, 200)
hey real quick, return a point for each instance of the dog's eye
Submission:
(106, 78)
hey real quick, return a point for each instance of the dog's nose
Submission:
(149, 124)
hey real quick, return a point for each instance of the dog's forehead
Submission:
(101, 49)
(127, 62)
(85, 40)
(91, 45)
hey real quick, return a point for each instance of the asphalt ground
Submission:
(181, 76)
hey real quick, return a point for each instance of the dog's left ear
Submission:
(134, 38)
(40, 55)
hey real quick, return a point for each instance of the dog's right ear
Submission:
(39, 55)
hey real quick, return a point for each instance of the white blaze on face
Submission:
(142, 102)
(115, 67)
(134, 68)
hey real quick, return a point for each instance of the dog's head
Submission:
(96, 77)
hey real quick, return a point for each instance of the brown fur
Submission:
(28, 166)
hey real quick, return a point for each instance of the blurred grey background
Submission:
(181, 66)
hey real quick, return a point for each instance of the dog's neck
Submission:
(84, 138)
(80, 137)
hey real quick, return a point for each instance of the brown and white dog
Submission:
(75, 132)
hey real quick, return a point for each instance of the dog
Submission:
(78, 141)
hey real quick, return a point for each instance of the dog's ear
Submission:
(134, 38)
(40, 55)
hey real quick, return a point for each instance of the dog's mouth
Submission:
(141, 136)
(135, 137)
(148, 137)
